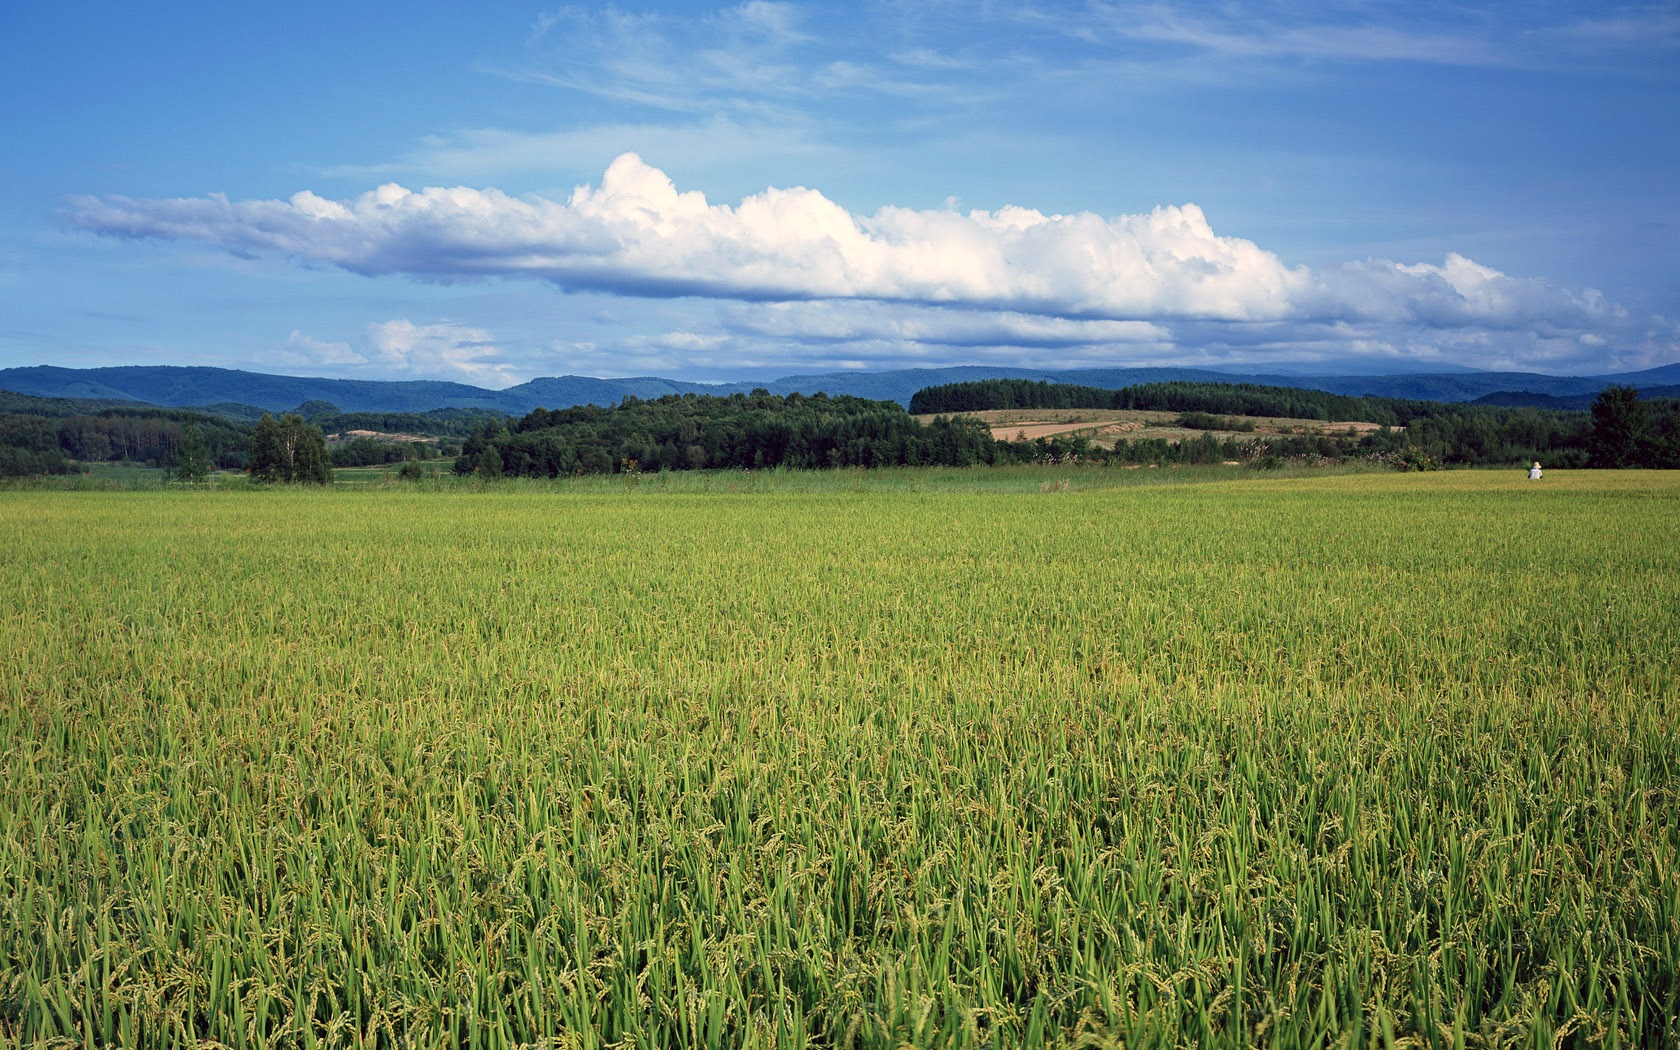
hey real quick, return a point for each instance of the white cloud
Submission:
(741, 57)
(1461, 293)
(772, 59)
(1262, 31)
(305, 351)
(1255, 33)
(852, 322)
(402, 349)
(802, 267)
(440, 350)
(636, 234)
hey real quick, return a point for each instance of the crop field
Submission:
(1359, 760)
(1107, 426)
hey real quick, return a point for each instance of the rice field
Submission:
(1364, 760)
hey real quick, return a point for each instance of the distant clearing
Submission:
(377, 435)
(1108, 427)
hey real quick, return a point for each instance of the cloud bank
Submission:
(402, 348)
(638, 235)
(900, 286)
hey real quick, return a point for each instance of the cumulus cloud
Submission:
(402, 349)
(637, 234)
(440, 349)
(1458, 293)
(306, 351)
(798, 267)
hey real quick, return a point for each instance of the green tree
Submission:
(314, 464)
(1620, 429)
(289, 450)
(194, 461)
(268, 460)
(481, 452)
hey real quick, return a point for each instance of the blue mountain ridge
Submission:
(198, 386)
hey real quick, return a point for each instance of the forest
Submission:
(1428, 432)
(752, 431)
(50, 436)
(761, 430)
(1232, 399)
(64, 436)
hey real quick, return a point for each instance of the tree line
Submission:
(33, 441)
(40, 436)
(761, 430)
(441, 423)
(752, 431)
(1621, 430)
(1230, 399)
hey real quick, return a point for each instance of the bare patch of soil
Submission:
(377, 435)
(1111, 426)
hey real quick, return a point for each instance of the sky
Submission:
(494, 192)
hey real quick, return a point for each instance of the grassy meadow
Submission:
(1098, 758)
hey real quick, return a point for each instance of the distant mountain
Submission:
(197, 386)
(1468, 386)
(565, 391)
(56, 407)
(1576, 402)
(205, 387)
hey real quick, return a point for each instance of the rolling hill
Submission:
(197, 386)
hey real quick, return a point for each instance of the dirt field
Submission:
(1109, 426)
(379, 435)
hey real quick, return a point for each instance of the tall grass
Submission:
(1365, 760)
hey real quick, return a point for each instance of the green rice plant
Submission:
(887, 760)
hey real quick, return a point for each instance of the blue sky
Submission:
(738, 191)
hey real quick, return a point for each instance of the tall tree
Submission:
(1620, 430)
(289, 450)
(269, 461)
(194, 463)
(311, 463)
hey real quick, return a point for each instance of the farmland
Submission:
(1105, 427)
(849, 759)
